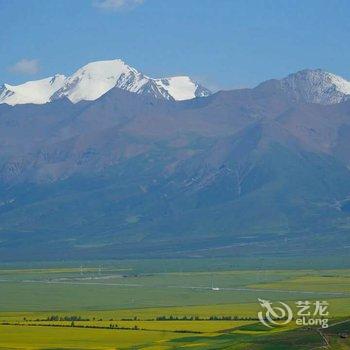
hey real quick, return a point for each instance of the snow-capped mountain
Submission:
(181, 88)
(316, 86)
(38, 92)
(95, 79)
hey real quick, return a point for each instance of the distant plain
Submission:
(155, 304)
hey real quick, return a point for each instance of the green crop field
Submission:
(127, 305)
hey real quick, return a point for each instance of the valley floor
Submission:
(112, 306)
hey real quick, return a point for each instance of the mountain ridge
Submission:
(131, 175)
(315, 86)
(95, 79)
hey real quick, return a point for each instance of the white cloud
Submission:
(116, 5)
(25, 66)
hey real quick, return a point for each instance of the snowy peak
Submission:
(37, 92)
(95, 79)
(316, 86)
(182, 88)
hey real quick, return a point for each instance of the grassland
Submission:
(237, 336)
(121, 306)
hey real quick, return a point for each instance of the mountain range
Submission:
(95, 79)
(134, 172)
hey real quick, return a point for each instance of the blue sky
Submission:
(222, 43)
